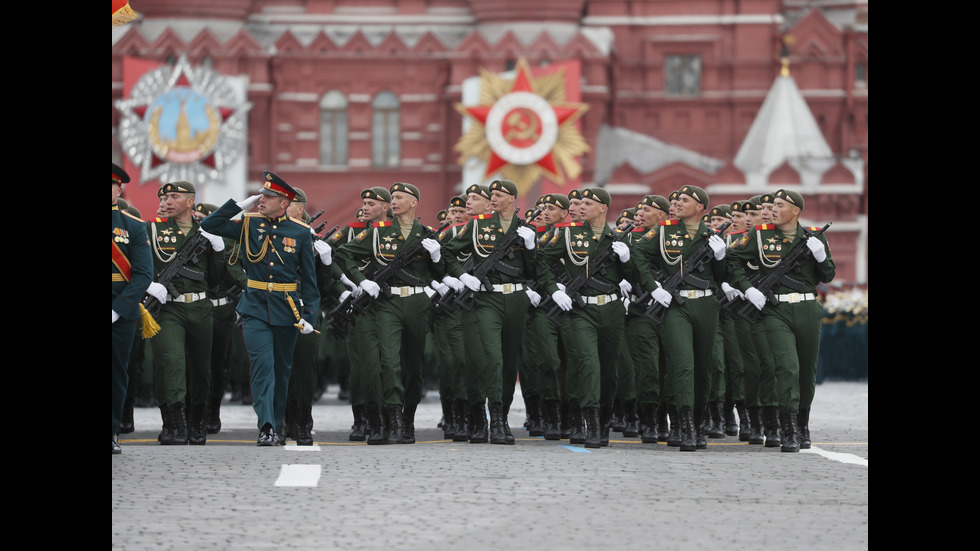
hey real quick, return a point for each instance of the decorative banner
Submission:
(183, 123)
(524, 128)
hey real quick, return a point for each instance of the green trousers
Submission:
(448, 340)
(495, 329)
(541, 353)
(595, 334)
(302, 378)
(182, 353)
(793, 331)
(401, 331)
(689, 332)
(643, 341)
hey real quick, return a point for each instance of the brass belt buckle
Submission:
(600, 300)
(508, 288)
(794, 298)
(404, 291)
(271, 286)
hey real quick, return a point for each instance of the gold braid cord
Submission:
(123, 15)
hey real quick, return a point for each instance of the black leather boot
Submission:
(803, 425)
(126, 424)
(358, 428)
(566, 421)
(790, 432)
(478, 424)
(618, 416)
(394, 424)
(375, 425)
(536, 427)
(716, 428)
(593, 428)
(577, 435)
(756, 436)
(497, 433)
(743, 422)
(605, 423)
(449, 426)
(632, 427)
(179, 420)
(772, 426)
(213, 417)
(663, 431)
(166, 436)
(731, 427)
(408, 428)
(508, 435)
(196, 432)
(462, 421)
(674, 437)
(686, 420)
(304, 422)
(552, 414)
(648, 415)
(700, 426)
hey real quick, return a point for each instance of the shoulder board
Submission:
(300, 222)
(766, 227)
(483, 216)
(131, 216)
(459, 225)
(670, 222)
(160, 219)
(357, 224)
(384, 224)
(639, 229)
(574, 224)
(250, 214)
(541, 229)
(737, 232)
(650, 234)
(813, 228)
(561, 225)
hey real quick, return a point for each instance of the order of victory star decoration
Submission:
(524, 128)
(183, 123)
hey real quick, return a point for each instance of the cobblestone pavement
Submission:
(537, 494)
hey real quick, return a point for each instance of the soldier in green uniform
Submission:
(182, 348)
(724, 349)
(688, 328)
(132, 272)
(499, 310)
(278, 252)
(398, 313)
(362, 343)
(734, 355)
(793, 319)
(625, 409)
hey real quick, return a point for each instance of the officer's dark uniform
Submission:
(278, 253)
(132, 272)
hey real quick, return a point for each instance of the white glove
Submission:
(158, 292)
(626, 304)
(324, 251)
(470, 281)
(717, 245)
(562, 300)
(247, 204)
(561, 286)
(730, 292)
(625, 287)
(429, 291)
(816, 247)
(217, 243)
(344, 295)
(756, 297)
(453, 283)
(534, 296)
(350, 285)
(306, 328)
(115, 316)
(433, 247)
(622, 250)
(370, 288)
(440, 287)
(661, 296)
(527, 234)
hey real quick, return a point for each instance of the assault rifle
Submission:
(695, 262)
(197, 245)
(342, 316)
(780, 275)
(495, 262)
(598, 264)
(447, 302)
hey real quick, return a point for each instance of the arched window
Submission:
(385, 130)
(333, 128)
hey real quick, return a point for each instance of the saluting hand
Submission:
(247, 204)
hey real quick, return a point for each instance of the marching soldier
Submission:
(397, 313)
(182, 348)
(793, 319)
(132, 272)
(278, 252)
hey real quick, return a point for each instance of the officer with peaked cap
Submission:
(278, 253)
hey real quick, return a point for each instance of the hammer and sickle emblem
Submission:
(522, 124)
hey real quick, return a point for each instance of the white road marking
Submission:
(295, 448)
(837, 456)
(299, 475)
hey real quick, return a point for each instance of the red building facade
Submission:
(349, 94)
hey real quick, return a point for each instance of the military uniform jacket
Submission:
(664, 250)
(166, 239)
(129, 234)
(480, 237)
(765, 247)
(570, 250)
(277, 251)
(379, 245)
